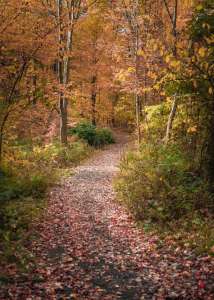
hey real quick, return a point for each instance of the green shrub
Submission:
(165, 195)
(12, 188)
(158, 184)
(85, 131)
(103, 137)
(96, 137)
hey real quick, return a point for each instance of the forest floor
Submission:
(89, 247)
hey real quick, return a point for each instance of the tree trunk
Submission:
(137, 104)
(93, 100)
(173, 18)
(93, 103)
(171, 119)
(2, 129)
(209, 165)
(115, 98)
(62, 106)
(63, 69)
(1, 150)
(63, 119)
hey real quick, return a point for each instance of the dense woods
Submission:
(72, 72)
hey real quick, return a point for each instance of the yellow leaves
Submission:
(141, 52)
(202, 51)
(152, 75)
(156, 86)
(193, 59)
(121, 76)
(170, 76)
(192, 129)
(175, 63)
(199, 7)
(131, 69)
(147, 89)
(210, 39)
(210, 91)
(168, 58)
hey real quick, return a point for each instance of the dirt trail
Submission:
(90, 249)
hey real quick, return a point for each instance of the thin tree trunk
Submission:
(137, 97)
(137, 104)
(93, 100)
(2, 128)
(209, 164)
(1, 150)
(173, 18)
(61, 78)
(114, 102)
(171, 119)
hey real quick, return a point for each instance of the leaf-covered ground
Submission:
(89, 248)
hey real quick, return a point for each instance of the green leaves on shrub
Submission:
(103, 136)
(96, 137)
(157, 184)
(85, 131)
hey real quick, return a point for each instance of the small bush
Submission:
(12, 188)
(96, 137)
(158, 184)
(103, 137)
(165, 195)
(85, 131)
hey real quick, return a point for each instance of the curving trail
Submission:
(89, 247)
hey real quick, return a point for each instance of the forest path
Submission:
(89, 247)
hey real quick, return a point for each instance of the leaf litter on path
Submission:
(89, 248)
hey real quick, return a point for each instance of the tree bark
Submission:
(209, 164)
(93, 100)
(173, 18)
(170, 120)
(1, 150)
(132, 18)
(138, 105)
(62, 77)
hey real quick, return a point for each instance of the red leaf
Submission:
(201, 284)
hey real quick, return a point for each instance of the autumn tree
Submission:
(18, 53)
(93, 65)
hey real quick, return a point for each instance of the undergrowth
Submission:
(94, 136)
(27, 174)
(167, 195)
